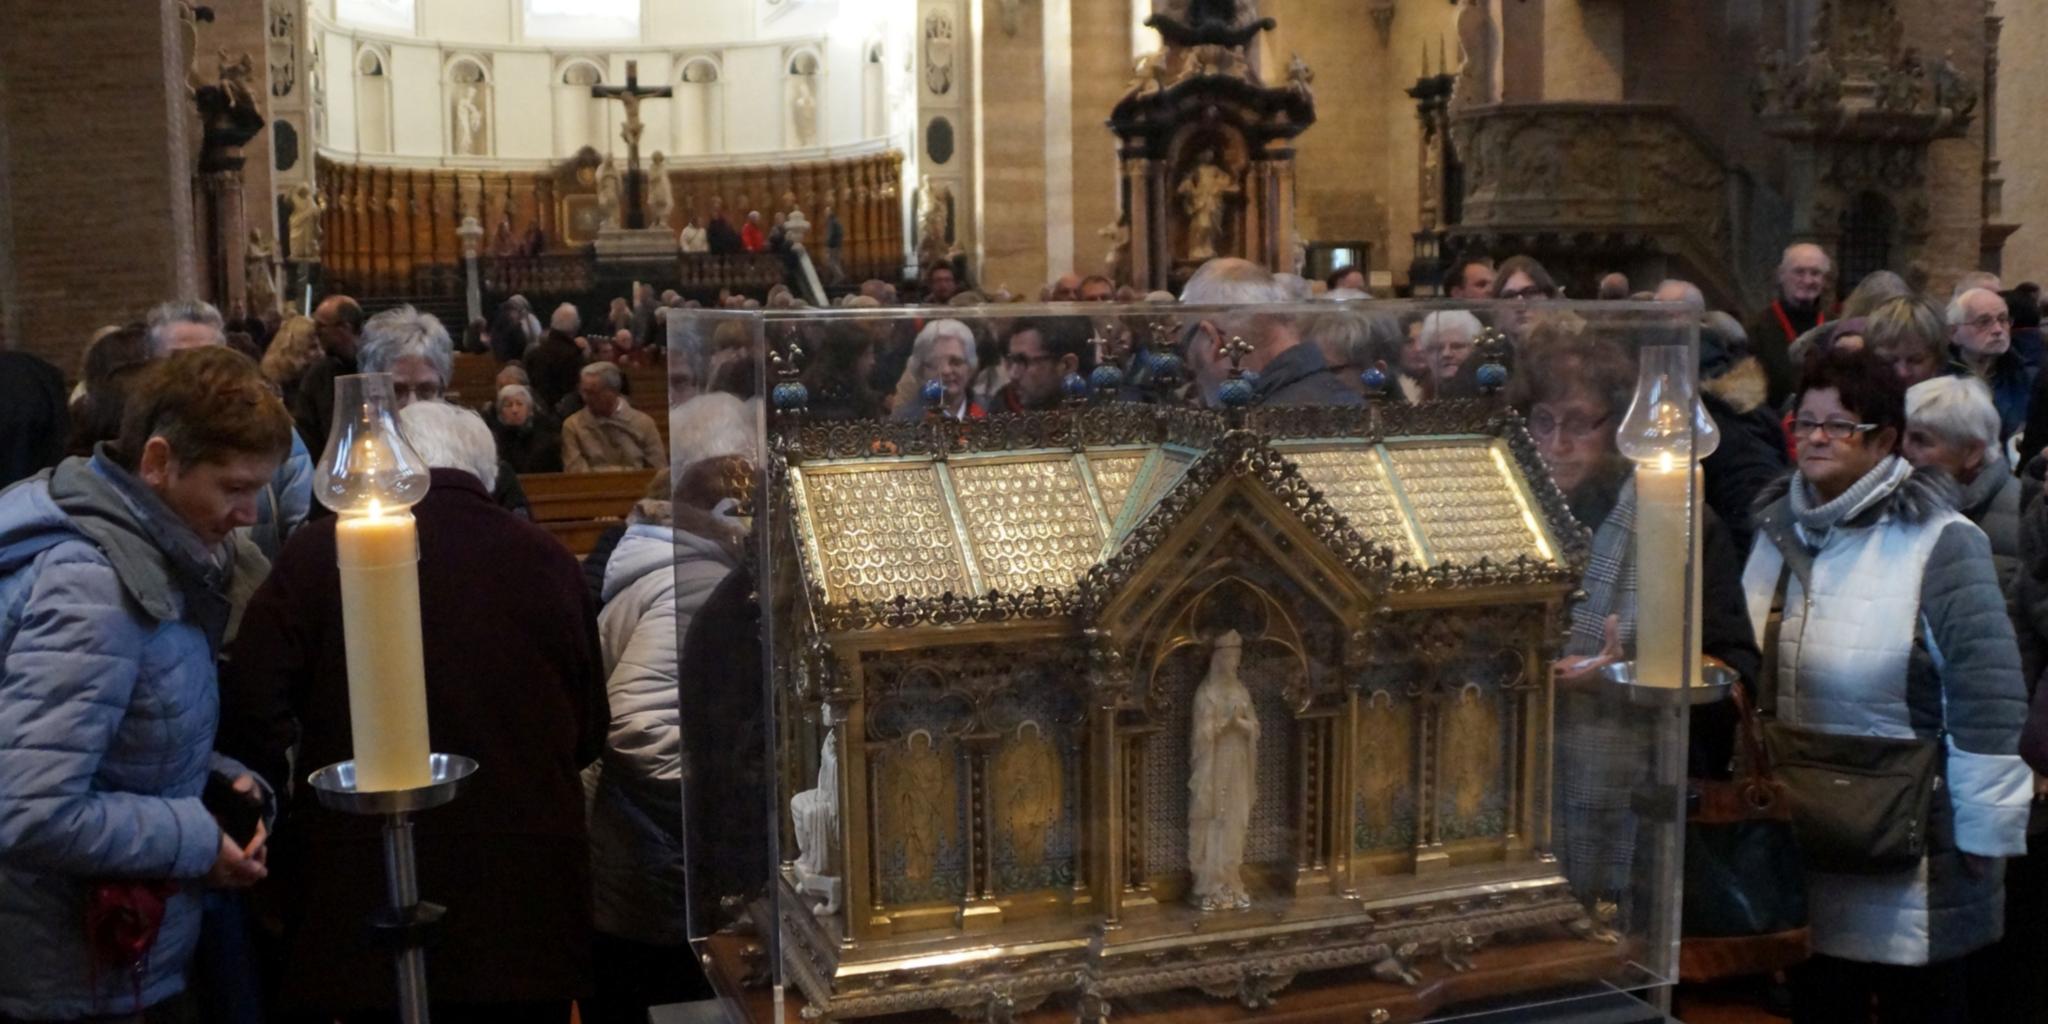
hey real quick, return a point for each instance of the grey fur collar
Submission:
(1924, 494)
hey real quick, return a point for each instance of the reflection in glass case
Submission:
(1152, 697)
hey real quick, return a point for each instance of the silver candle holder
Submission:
(405, 921)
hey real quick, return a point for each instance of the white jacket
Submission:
(656, 580)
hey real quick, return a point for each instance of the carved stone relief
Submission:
(938, 51)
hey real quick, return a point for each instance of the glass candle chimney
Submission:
(1666, 432)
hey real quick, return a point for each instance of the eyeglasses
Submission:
(1836, 430)
(1988, 320)
(415, 392)
(1021, 360)
(1543, 425)
(1533, 291)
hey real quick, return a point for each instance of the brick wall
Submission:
(96, 169)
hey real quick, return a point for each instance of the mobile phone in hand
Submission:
(238, 813)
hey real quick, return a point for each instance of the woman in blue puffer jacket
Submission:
(113, 581)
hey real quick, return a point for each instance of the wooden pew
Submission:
(578, 507)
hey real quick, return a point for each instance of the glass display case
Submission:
(1173, 662)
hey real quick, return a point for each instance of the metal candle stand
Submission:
(406, 922)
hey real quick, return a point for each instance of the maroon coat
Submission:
(514, 680)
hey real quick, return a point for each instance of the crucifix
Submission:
(631, 94)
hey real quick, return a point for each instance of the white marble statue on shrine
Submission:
(814, 817)
(1225, 754)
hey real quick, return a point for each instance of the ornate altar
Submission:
(1206, 146)
(1144, 706)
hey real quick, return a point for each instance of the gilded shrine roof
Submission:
(1038, 528)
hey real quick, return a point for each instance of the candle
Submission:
(1667, 610)
(380, 620)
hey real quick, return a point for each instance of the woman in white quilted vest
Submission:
(1893, 626)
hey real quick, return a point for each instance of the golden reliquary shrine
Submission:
(1137, 706)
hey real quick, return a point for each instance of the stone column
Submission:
(117, 227)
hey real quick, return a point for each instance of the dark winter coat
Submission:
(514, 680)
(1751, 454)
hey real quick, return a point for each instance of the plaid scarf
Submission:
(1610, 580)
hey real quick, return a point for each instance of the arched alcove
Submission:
(373, 99)
(579, 117)
(470, 107)
(874, 91)
(699, 106)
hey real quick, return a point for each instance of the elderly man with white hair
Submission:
(1797, 307)
(1289, 371)
(608, 434)
(1980, 338)
(1952, 426)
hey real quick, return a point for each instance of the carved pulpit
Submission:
(1206, 147)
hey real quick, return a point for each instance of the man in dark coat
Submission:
(514, 680)
(1752, 453)
(337, 322)
(1796, 307)
(720, 234)
(555, 362)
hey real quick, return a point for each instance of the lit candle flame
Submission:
(1665, 462)
(376, 509)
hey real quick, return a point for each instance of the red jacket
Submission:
(753, 238)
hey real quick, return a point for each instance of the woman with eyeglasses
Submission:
(1893, 626)
(1573, 407)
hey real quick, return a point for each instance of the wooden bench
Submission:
(578, 507)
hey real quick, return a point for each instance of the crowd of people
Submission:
(1875, 564)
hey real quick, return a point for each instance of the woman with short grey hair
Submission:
(528, 439)
(413, 348)
(1952, 426)
(451, 437)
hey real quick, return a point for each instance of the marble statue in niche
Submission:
(661, 196)
(814, 817)
(1478, 46)
(304, 226)
(934, 222)
(803, 111)
(1222, 780)
(1203, 191)
(259, 274)
(469, 123)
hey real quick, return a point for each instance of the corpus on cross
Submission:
(631, 94)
